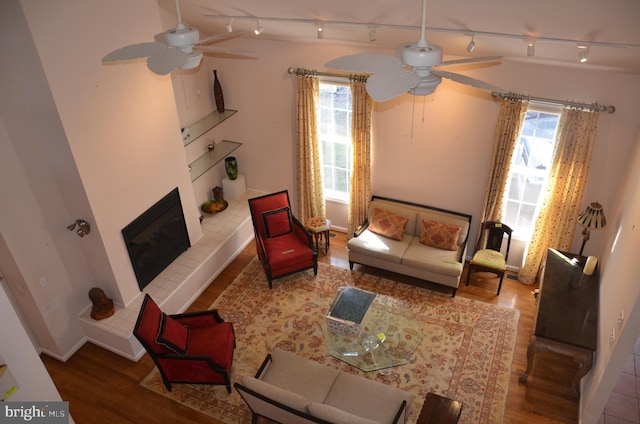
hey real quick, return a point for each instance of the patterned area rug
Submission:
(465, 354)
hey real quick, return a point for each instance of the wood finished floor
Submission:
(102, 387)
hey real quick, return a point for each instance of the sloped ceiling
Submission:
(569, 22)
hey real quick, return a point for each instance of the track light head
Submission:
(582, 54)
(531, 46)
(258, 29)
(320, 32)
(372, 34)
(472, 44)
(229, 27)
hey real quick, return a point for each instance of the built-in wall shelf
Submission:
(195, 131)
(209, 159)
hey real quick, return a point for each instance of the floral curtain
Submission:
(309, 167)
(510, 119)
(556, 223)
(360, 195)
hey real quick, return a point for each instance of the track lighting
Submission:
(582, 54)
(531, 47)
(372, 34)
(320, 32)
(472, 44)
(258, 29)
(229, 27)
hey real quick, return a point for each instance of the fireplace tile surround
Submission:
(224, 235)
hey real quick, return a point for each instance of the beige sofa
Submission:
(410, 256)
(290, 389)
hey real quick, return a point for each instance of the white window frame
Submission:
(329, 194)
(519, 232)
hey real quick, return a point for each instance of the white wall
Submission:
(619, 293)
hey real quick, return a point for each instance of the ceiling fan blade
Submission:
(365, 62)
(211, 49)
(471, 60)
(167, 60)
(463, 79)
(389, 83)
(134, 51)
(221, 37)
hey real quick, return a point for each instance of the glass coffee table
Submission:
(386, 336)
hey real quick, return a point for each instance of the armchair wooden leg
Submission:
(351, 265)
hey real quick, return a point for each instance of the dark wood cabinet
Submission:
(567, 317)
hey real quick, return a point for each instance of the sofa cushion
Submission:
(438, 234)
(432, 259)
(445, 218)
(387, 224)
(397, 209)
(300, 375)
(336, 416)
(277, 222)
(172, 335)
(367, 404)
(371, 244)
(285, 397)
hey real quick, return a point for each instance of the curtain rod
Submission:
(595, 107)
(313, 72)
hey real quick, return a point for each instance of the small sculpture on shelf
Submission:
(102, 305)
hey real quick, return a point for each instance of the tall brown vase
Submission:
(217, 92)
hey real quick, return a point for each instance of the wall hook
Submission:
(83, 227)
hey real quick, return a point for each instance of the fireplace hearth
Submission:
(156, 238)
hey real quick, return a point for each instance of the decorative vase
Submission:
(231, 166)
(217, 92)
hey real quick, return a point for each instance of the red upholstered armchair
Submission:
(283, 244)
(193, 347)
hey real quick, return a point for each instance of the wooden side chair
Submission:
(488, 256)
(194, 347)
(283, 244)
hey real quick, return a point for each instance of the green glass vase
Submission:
(231, 167)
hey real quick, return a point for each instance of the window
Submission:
(530, 170)
(334, 131)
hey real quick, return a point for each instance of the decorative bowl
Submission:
(214, 206)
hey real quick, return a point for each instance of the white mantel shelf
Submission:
(225, 234)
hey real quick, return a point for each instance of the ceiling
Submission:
(611, 28)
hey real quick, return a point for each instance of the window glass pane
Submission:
(334, 122)
(529, 170)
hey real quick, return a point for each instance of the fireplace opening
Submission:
(156, 238)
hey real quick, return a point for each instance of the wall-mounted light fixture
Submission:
(83, 227)
(320, 32)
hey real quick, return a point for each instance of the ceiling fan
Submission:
(412, 72)
(177, 48)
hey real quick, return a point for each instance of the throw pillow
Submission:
(440, 235)
(277, 222)
(172, 335)
(387, 224)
